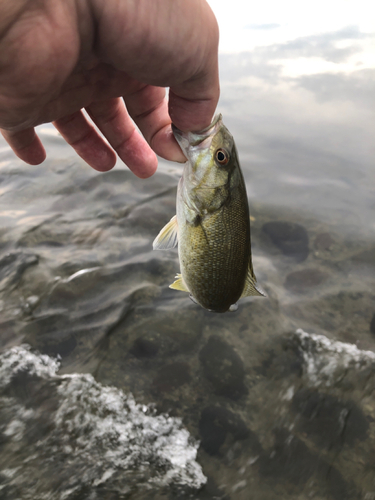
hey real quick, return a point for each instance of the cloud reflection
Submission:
(322, 45)
(317, 63)
(356, 87)
(301, 112)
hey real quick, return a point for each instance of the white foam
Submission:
(104, 414)
(100, 429)
(326, 359)
(20, 358)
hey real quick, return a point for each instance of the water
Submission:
(114, 386)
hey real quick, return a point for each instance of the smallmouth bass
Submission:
(212, 224)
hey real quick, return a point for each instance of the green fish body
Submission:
(212, 224)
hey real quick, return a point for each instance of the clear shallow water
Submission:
(222, 406)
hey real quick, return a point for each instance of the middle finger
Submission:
(113, 121)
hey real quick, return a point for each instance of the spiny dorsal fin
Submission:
(167, 238)
(251, 287)
(179, 284)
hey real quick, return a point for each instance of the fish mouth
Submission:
(200, 138)
(212, 125)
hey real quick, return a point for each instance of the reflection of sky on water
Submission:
(245, 25)
(298, 95)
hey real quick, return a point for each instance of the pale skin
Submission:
(114, 59)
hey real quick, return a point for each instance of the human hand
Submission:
(113, 59)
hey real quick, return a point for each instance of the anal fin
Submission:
(179, 284)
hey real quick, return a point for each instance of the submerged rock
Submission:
(290, 238)
(103, 439)
(215, 424)
(330, 362)
(291, 460)
(329, 420)
(223, 367)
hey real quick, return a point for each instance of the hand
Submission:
(113, 59)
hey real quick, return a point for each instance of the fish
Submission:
(212, 222)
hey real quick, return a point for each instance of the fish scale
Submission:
(214, 266)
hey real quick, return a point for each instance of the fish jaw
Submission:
(191, 142)
(201, 171)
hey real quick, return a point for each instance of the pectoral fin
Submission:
(251, 287)
(167, 238)
(179, 284)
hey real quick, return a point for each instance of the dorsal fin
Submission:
(167, 238)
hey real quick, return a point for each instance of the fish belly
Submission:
(214, 255)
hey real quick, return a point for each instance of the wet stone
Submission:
(69, 431)
(172, 376)
(302, 281)
(215, 424)
(372, 324)
(328, 420)
(223, 367)
(290, 238)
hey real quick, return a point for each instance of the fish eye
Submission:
(221, 156)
